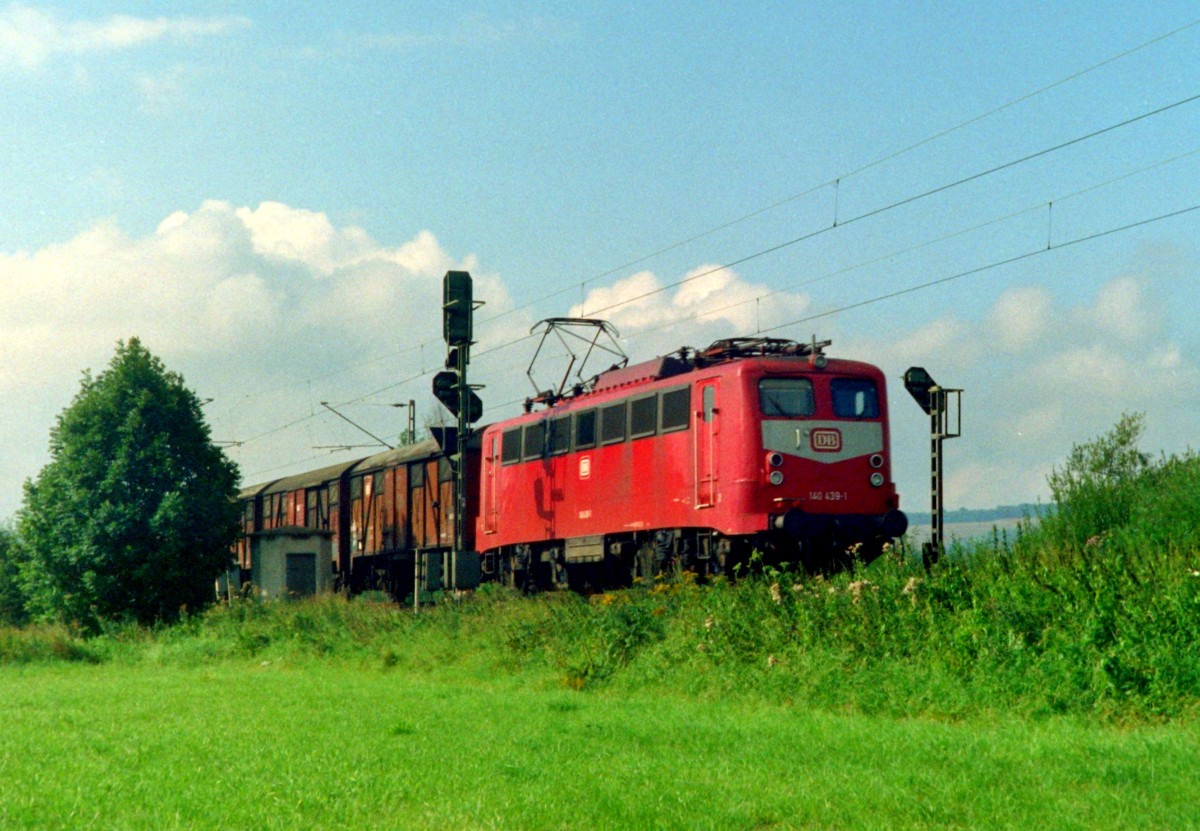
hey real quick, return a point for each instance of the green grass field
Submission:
(1044, 679)
(316, 744)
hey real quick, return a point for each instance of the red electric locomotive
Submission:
(695, 459)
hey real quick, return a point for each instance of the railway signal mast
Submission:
(450, 387)
(937, 402)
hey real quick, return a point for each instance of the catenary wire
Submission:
(779, 246)
(1042, 205)
(786, 200)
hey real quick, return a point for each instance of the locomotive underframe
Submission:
(827, 543)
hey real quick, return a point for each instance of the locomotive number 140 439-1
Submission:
(828, 496)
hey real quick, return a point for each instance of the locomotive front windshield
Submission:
(797, 398)
(786, 397)
(854, 398)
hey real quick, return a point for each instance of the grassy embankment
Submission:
(1048, 679)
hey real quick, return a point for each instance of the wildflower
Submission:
(772, 661)
(910, 588)
(776, 594)
(701, 647)
(1195, 573)
(856, 588)
(709, 622)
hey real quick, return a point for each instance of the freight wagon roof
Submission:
(310, 479)
(251, 491)
(424, 449)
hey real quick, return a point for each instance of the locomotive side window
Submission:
(535, 440)
(854, 398)
(560, 435)
(675, 405)
(643, 416)
(510, 451)
(786, 397)
(585, 429)
(612, 423)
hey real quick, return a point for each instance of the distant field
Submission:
(918, 534)
(327, 744)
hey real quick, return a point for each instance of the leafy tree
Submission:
(135, 513)
(12, 606)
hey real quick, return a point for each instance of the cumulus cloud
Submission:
(30, 36)
(1020, 317)
(271, 309)
(1122, 311)
(1039, 375)
(707, 303)
(241, 300)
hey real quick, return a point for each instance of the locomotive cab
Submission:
(825, 483)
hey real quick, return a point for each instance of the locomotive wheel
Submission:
(644, 564)
(518, 573)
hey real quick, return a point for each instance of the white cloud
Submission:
(1038, 376)
(272, 309)
(1122, 311)
(240, 300)
(1020, 317)
(163, 91)
(307, 237)
(29, 36)
(709, 302)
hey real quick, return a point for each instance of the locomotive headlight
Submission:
(776, 477)
(877, 479)
(877, 461)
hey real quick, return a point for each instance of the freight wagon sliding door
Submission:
(705, 449)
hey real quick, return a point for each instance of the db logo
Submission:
(826, 440)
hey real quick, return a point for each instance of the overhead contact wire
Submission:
(796, 196)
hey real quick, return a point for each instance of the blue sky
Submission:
(268, 194)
